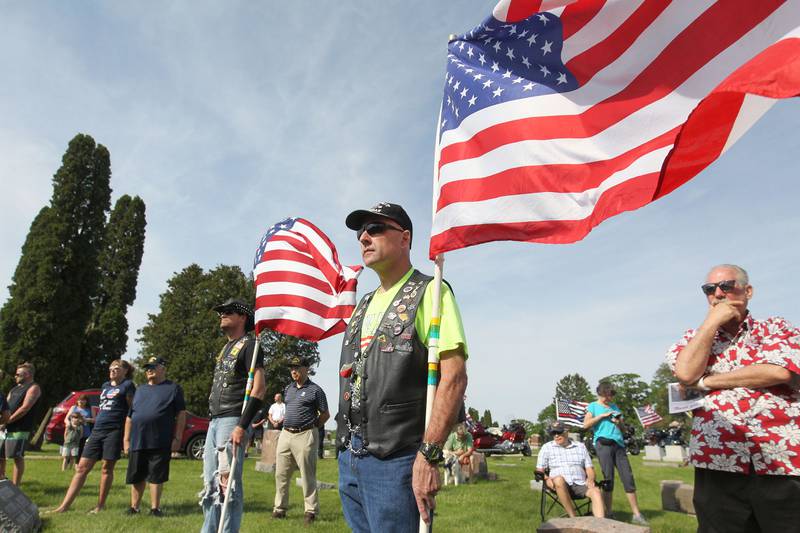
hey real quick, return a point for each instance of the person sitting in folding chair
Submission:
(566, 468)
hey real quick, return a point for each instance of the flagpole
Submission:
(436, 312)
(248, 389)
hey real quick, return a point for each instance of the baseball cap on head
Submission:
(297, 361)
(395, 212)
(556, 427)
(153, 362)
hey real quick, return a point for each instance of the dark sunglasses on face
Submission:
(726, 286)
(375, 228)
(554, 433)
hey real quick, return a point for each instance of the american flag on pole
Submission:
(558, 114)
(301, 288)
(648, 416)
(571, 412)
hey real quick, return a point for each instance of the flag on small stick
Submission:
(571, 412)
(647, 415)
(301, 288)
(558, 114)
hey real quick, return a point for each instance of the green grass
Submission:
(507, 504)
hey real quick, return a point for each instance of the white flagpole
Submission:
(433, 331)
(248, 389)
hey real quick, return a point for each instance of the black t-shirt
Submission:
(153, 415)
(113, 405)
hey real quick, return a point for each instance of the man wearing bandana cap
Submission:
(388, 475)
(230, 429)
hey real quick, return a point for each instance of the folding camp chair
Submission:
(549, 499)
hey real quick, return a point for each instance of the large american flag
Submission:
(571, 412)
(648, 416)
(558, 114)
(301, 288)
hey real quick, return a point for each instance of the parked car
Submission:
(192, 442)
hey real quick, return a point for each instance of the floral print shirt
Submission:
(740, 427)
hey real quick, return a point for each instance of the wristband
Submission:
(254, 405)
(702, 385)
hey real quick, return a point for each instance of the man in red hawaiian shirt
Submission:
(745, 443)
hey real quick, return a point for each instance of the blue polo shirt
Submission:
(153, 414)
(303, 404)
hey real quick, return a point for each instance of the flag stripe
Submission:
(597, 29)
(578, 15)
(302, 302)
(301, 280)
(589, 63)
(630, 195)
(554, 178)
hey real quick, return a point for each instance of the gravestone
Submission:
(674, 453)
(677, 496)
(589, 524)
(653, 453)
(17, 512)
(269, 445)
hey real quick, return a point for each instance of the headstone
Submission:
(674, 453)
(589, 524)
(677, 496)
(269, 445)
(17, 512)
(653, 453)
(483, 469)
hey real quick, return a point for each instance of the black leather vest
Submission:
(389, 398)
(227, 389)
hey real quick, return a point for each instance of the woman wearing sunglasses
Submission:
(606, 418)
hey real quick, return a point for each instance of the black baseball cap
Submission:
(152, 362)
(556, 427)
(395, 212)
(297, 361)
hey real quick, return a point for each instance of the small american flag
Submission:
(571, 412)
(648, 416)
(558, 114)
(301, 288)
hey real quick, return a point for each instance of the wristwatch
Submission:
(432, 452)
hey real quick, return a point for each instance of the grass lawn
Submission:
(507, 504)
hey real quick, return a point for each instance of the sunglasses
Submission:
(726, 286)
(554, 433)
(375, 228)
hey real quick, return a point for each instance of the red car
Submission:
(192, 442)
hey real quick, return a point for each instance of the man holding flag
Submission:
(227, 432)
(381, 429)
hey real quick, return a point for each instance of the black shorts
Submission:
(148, 465)
(578, 491)
(105, 444)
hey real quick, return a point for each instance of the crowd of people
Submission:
(744, 443)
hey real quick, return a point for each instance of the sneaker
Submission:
(309, 518)
(639, 519)
(156, 512)
(131, 511)
(278, 514)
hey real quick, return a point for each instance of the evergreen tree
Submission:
(186, 333)
(573, 387)
(45, 317)
(107, 333)
(486, 419)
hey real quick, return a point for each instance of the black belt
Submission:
(299, 430)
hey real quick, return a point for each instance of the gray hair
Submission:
(741, 274)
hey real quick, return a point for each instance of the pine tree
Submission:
(573, 387)
(45, 317)
(107, 333)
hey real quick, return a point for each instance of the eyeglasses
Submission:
(726, 286)
(227, 312)
(375, 228)
(554, 433)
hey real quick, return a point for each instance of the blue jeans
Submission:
(376, 493)
(218, 436)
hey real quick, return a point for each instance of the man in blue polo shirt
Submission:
(306, 411)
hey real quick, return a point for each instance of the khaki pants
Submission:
(298, 449)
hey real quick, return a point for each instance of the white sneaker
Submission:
(639, 519)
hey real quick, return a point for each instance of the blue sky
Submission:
(227, 117)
